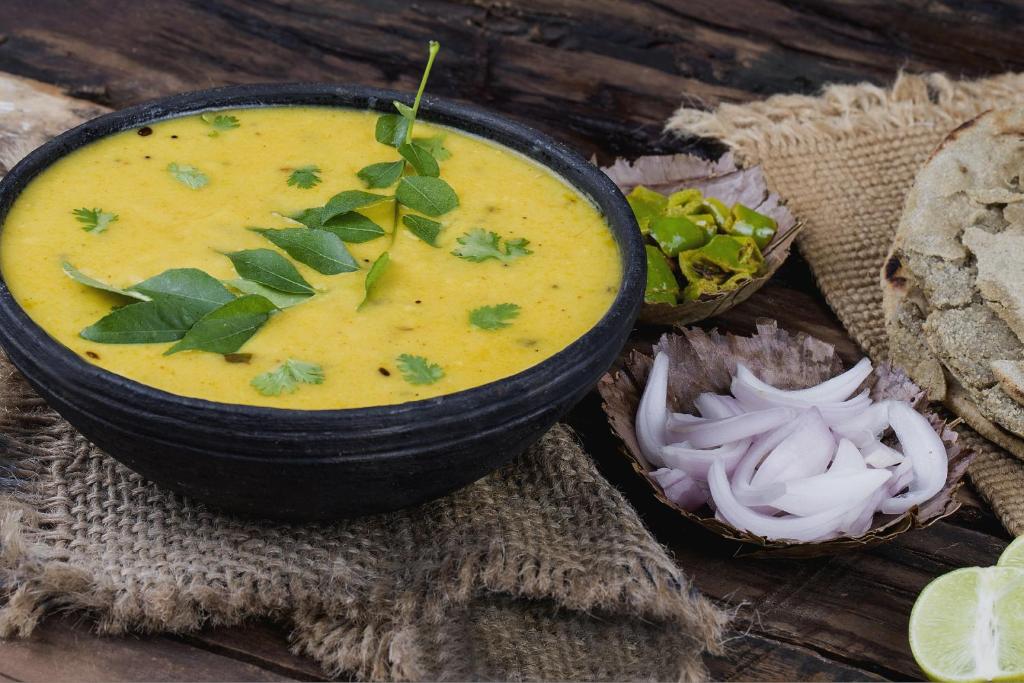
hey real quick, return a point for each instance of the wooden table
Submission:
(603, 75)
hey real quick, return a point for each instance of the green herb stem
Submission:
(431, 54)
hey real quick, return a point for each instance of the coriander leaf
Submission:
(81, 278)
(424, 228)
(145, 322)
(391, 129)
(493, 317)
(287, 376)
(96, 220)
(431, 196)
(305, 177)
(373, 276)
(353, 227)
(421, 159)
(435, 145)
(279, 299)
(311, 218)
(405, 110)
(479, 245)
(271, 269)
(189, 176)
(226, 329)
(194, 292)
(219, 122)
(418, 370)
(350, 200)
(384, 174)
(321, 250)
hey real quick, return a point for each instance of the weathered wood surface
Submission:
(603, 75)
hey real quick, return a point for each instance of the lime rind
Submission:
(1013, 555)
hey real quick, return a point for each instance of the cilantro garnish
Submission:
(219, 122)
(493, 317)
(305, 177)
(287, 377)
(479, 245)
(418, 370)
(190, 176)
(94, 220)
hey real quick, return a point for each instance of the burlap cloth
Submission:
(844, 161)
(539, 571)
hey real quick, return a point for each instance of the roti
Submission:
(953, 283)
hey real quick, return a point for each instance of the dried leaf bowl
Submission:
(705, 360)
(725, 181)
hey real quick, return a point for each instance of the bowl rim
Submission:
(560, 159)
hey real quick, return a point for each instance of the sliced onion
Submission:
(710, 433)
(804, 453)
(877, 454)
(754, 398)
(716, 407)
(873, 420)
(791, 527)
(759, 448)
(680, 488)
(696, 462)
(652, 413)
(837, 389)
(927, 455)
(824, 492)
(847, 459)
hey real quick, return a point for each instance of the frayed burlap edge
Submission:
(759, 130)
(842, 111)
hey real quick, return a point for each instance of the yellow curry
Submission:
(185, 192)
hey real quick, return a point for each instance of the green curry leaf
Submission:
(81, 278)
(321, 250)
(424, 228)
(384, 174)
(279, 299)
(353, 227)
(373, 277)
(269, 268)
(226, 329)
(350, 200)
(432, 196)
(421, 160)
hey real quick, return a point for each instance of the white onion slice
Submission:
(652, 413)
(754, 398)
(872, 421)
(717, 407)
(805, 452)
(711, 433)
(927, 455)
(824, 492)
(877, 454)
(847, 459)
(834, 390)
(680, 488)
(791, 527)
(696, 462)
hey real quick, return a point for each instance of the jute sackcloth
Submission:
(844, 161)
(539, 571)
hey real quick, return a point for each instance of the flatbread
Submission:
(953, 284)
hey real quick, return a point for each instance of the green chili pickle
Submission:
(719, 210)
(684, 202)
(750, 223)
(678, 233)
(662, 286)
(647, 205)
(722, 264)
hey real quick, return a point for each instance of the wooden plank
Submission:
(753, 657)
(61, 650)
(263, 644)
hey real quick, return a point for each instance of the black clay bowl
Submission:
(319, 464)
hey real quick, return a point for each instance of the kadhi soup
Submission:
(258, 256)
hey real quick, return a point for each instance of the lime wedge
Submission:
(968, 625)
(1013, 556)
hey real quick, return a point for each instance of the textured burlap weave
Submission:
(844, 161)
(539, 571)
